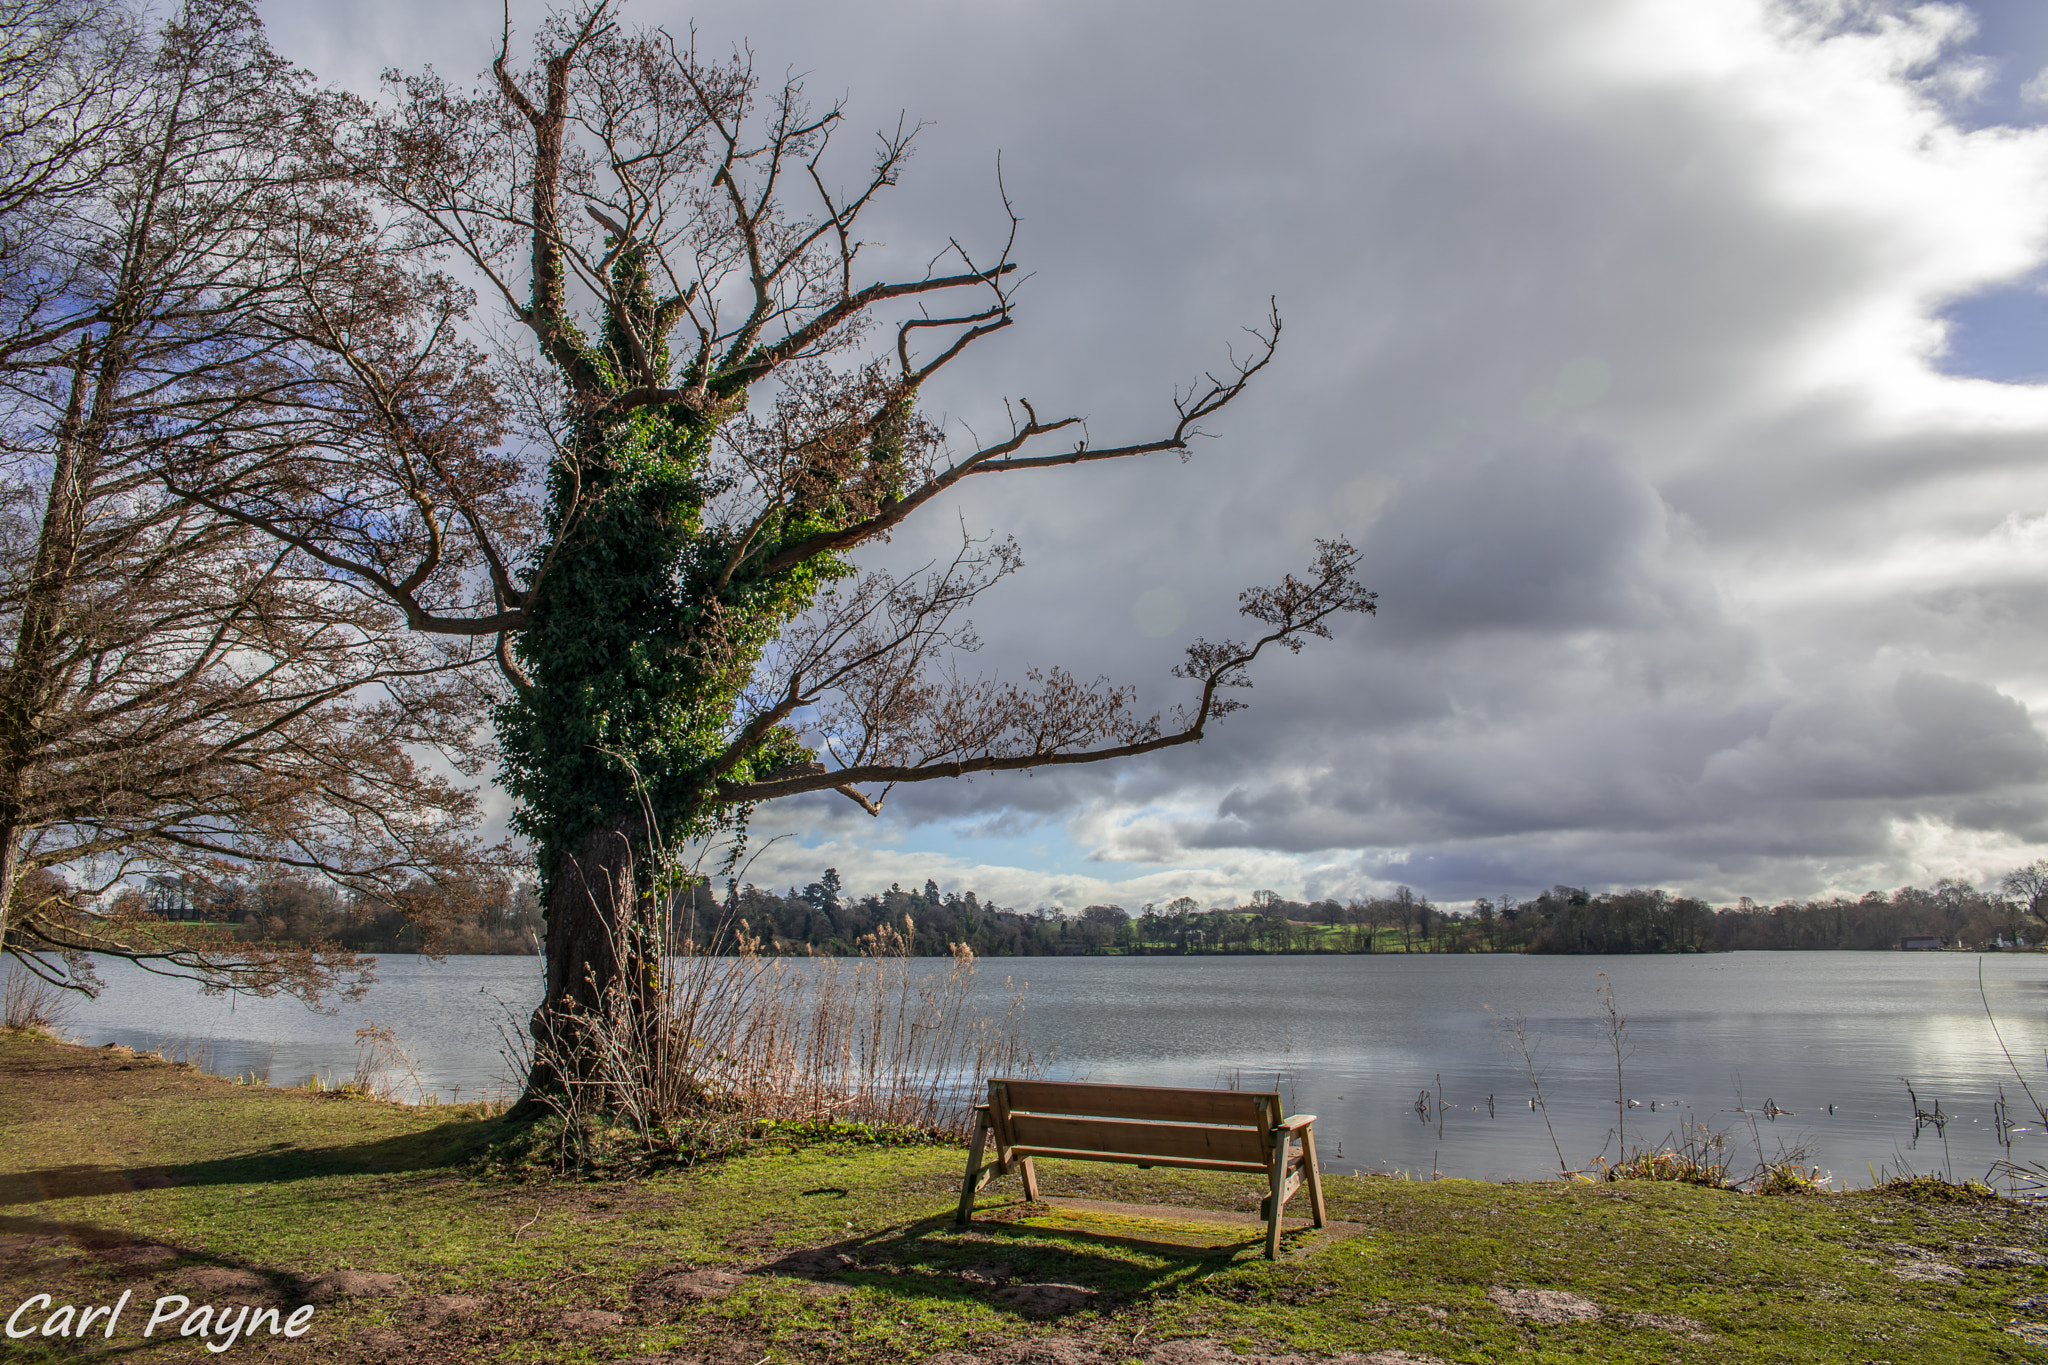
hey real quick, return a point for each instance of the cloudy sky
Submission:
(1681, 370)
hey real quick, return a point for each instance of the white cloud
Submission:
(2035, 90)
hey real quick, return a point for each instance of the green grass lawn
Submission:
(122, 1172)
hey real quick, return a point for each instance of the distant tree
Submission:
(1106, 924)
(1370, 914)
(823, 894)
(1404, 910)
(2028, 888)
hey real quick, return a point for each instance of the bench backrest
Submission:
(1230, 1128)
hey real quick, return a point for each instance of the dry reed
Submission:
(380, 1058)
(867, 1039)
(27, 1001)
(877, 1039)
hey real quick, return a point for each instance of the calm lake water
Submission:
(1356, 1040)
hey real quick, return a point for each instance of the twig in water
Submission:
(1517, 1029)
(1921, 1116)
(1617, 1037)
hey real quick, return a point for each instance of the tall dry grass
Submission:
(382, 1060)
(881, 1038)
(27, 1001)
(878, 1038)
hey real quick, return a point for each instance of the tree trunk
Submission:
(603, 959)
(10, 866)
(24, 684)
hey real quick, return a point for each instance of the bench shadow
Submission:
(1018, 1256)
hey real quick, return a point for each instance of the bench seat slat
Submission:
(1109, 1136)
(1142, 1159)
(1140, 1101)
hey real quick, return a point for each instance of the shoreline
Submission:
(128, 1173)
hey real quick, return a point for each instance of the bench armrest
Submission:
(1297, 1123)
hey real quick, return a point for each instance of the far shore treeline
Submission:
(822, 918)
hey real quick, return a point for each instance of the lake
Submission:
(1782, 1051)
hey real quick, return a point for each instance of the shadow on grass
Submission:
(443, 1145)
(1015, 1256)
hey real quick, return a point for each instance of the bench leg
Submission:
(967, 1186)
(1030, 1179)
(1277, 1200)
(1312, 1172)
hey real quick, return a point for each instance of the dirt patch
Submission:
(1671, 1322)
(593, 1320)
(1917, 1264)
(1203, 1351)
(218, 1279)
(379, 1343)
(1038, 1351)
(1543, 1307)
(138, 1256)
(685, 1284)
(1933, 1271)
(810, 1263)
(2003, 1258)
(352, 1284)
(436, 1309)
(1035, 1300)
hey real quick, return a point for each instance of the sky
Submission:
(1680, 371)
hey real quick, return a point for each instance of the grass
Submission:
(119, 1170)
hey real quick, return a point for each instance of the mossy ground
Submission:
(848, 1251)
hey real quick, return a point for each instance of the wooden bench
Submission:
(1146, 1125)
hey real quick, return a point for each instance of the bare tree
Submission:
(179, 692)
(682, 628)
(1368, 914)
(2029, 887)
(1407, 910)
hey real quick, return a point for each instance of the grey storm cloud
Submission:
(1615, 342)
(1534, 541)
(1925, 735)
